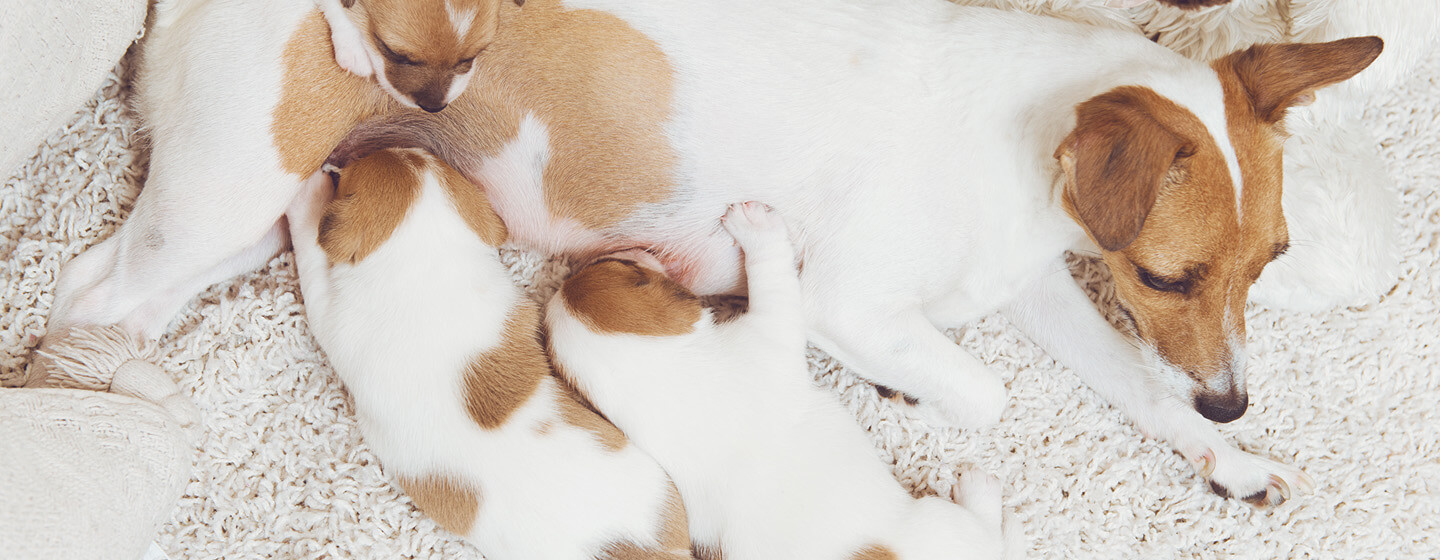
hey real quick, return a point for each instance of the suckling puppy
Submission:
(405, 292)
(422, 52)
(770, 466)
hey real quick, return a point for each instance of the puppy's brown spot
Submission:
(875, 552)
(371, 200)
(471, 203)
(319, 102)
(451, 503)
(500, 380)
(620, 296)
(576, 410)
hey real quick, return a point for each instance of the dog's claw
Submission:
(1207, 464)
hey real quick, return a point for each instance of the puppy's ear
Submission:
(1277, 77)
(347, 3)
(1115, 162)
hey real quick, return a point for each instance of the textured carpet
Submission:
(282, 472)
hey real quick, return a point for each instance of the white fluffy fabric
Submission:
(1348, 394)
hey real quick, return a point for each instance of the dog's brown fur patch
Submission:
(319, 102)
(619, 296)
(502, 379)
(471, 203)
(452, 504)
(875, 552)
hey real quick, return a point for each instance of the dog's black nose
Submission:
(1222, 408)
(431, 108)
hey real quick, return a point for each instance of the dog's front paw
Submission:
(1255, 480)
(350, 54)
(981, 406)
(753, 225)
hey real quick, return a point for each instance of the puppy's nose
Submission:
(1222, 408)
(429, 108)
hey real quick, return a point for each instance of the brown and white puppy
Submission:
(771, 465)
(597, 125)
(422, 52)
(442, 354)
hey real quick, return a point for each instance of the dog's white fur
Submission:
(400, 328)
(942, 168)
(771, 466)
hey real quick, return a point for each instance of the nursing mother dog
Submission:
(934, 161)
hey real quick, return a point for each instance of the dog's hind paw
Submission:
(1254, 480)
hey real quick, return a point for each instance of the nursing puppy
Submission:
(968, 149)
(422, 52)
(405, 292)
(771, 466)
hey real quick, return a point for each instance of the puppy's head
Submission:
(1187, 210)
(628, 292)
(424, 50)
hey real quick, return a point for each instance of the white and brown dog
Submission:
(771, 465)
(405, 292)
(966, 148)
(422, 52)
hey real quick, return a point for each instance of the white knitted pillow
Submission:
(55, 55)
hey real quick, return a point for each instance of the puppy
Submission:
(422, 52)
(770, 466)
(405, 292)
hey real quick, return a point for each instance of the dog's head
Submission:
(628, 292)
(1186, 210)
(424, 50)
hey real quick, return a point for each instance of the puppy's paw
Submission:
(981, 406)
(753, 225)
(350, 53)
(1255, 480)
(979, 492)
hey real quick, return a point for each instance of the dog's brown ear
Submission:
(1277, 77)
(1115, 162)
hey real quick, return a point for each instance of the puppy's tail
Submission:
(442, 138)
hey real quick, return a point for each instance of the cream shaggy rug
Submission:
(1350, 395)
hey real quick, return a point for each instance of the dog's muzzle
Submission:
(1222, 408)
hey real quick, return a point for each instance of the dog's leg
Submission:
(181, 235)
(311, 263)
(891, 343)
(776, 307)
(1057, 315)
(150, 320)
(348, 41)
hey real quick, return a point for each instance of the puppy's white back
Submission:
(402, 328)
